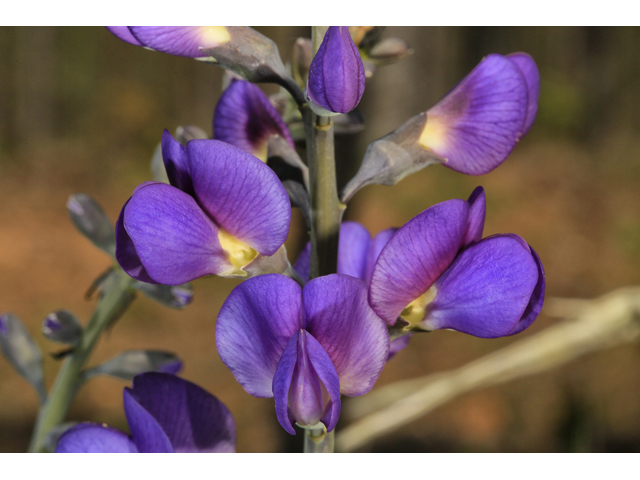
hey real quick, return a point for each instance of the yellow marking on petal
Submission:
(239, 254)
(414, 313)
(213, 36)
(261, 151)
(434, 134)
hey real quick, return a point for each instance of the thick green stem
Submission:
(117, 296)
(318, 440)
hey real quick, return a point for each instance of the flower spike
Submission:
(336, 76)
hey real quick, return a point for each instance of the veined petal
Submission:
(244, 117)
(123, 33)
(183, 41)
(375, 247)
(336, 75)
(353, 248)
(416, 256)
(94, 438)
(147, 433)
(174, 239)
(532, 76)
(486, 290)
(326, 371)
(479, 122)
(475, 222)
(176, 163)
(193, 419)
(537, 297)
(240, 193)
(338, 315)
(126, 254)
(282, 383)
(254, 325)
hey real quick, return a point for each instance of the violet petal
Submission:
(146, 432)
(192, 418)
(535, 302)
(174, 239)
(486, 290)
(416, 256)
(126, 254)
(244, 117)
(123, 33)
(397, 345)
(176, 163)
(475, 222)
(281, 385)
(479, 122)
(241, 193)
(338, 315)
(94, 438)
(375, 247)
(182, 41)
(253, 327)
(532, 76)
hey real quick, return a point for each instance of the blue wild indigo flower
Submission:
(224, 213)
(166, 414)
(336, 75)
(302, 346)
(244, 117)
(437, 272)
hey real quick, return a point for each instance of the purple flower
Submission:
(436, 272)
(302, 346)
(244, 117)
(336, 76)
(182, 41)
(165, 414)
(225, 213)
(476, 125)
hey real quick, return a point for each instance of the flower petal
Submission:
(254, 325)
(398, 345)
(126, 254)
(123, 33)
(146, 432)
(475, 222)
(244, 117)
(241, 194)
(375, 247)
(174, 239)
(183, 41)
(479, 122)
(326, 371)
(338, 315)
(486, 290)
(537, 297)
(303, 263)
(176, 163)
(192, 418)
(282, 383)
(532, 76)
(416, 256)
(336, 75)
(94, 438)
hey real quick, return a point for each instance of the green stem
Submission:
(116, 298)
(318, 440)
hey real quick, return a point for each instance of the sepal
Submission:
(87, 215)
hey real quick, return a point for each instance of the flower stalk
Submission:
(318, 440)
(117, 297)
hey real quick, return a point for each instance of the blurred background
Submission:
(81, 111)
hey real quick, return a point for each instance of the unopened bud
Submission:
(178, 296)
(92, 222)
(63, 327)
(133, 362)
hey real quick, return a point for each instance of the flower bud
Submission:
(336, 76)
(92, 222)
(63, 327)
(178, 296)
(128, 364)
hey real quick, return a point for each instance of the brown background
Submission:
(81, 111)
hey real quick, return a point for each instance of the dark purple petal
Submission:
(326, 371)
(338, 315)
(398, 345)
(537, 298)
(123, 33)
(375, 247)
(416, 256)
(486, 290)
(126, 254)
(146, 432)
(174, 239)
(475, 222)
(241, 194)
(532, 76)
(479, 122)
(176, 163)
(244, 117)
(282, 383)
(254, 326)
(94, 438)
(192, 418)
(183, 41)
(336, 76)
